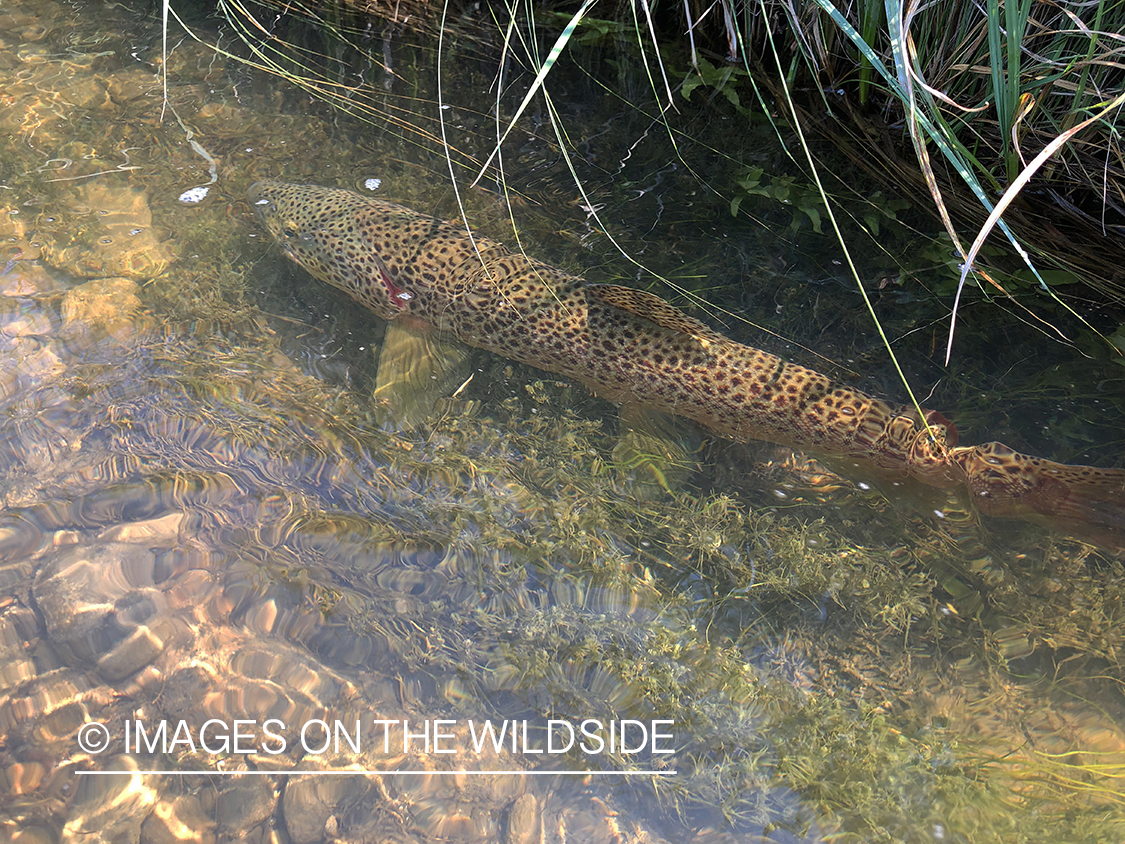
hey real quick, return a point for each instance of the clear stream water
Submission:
(213, 548)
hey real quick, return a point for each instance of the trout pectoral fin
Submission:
(651, 457)
(1083, 501)
(416, 368)
(651, 307)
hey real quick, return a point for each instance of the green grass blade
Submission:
(937, 132)
(540, 77)
(1010, 194)
(814, 171)
(996, 73)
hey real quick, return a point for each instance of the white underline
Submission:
(382, 773)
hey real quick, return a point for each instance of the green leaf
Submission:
(752, 179)
(690, 84)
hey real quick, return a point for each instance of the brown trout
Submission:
(634, 348)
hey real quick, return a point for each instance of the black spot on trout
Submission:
(634, 348)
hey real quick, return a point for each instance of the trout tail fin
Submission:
(1082, 501)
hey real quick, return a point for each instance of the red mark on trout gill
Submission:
(396, 294)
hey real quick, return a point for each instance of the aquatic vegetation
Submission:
(783, 189)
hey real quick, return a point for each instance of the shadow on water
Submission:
(204, 518)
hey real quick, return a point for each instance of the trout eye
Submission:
(289, 230)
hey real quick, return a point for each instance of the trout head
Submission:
(339, 237)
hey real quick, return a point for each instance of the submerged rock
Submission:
(111, 809)
(177, 820)
(108, 231)
(524, 823)
(100, 607)
(105, 303)
(313, 805)
(242, 804)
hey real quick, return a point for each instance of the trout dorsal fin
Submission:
(651, 307)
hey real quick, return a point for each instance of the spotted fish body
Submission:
(634, 348)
